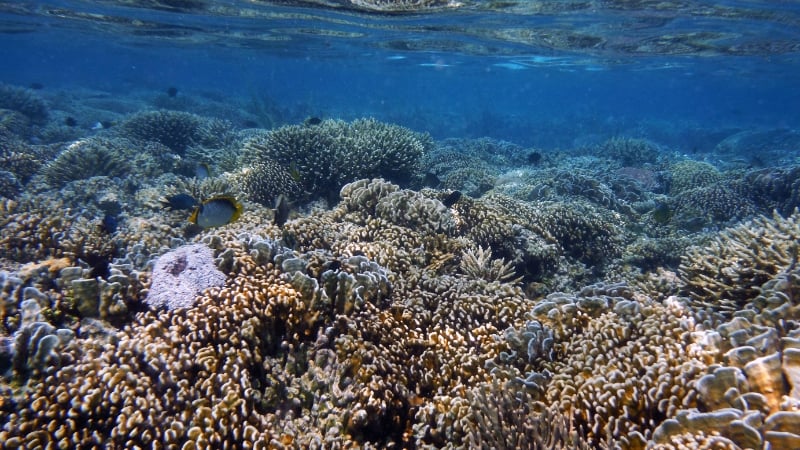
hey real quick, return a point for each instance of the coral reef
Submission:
(24, 101)
(629, 151)
(556, 304)
(176, 130)
(689, 174)
(88, 158)
(326, 156)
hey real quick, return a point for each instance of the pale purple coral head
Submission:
(181, 275)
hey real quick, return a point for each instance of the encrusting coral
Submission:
(181, 275)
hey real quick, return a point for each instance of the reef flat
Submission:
(618, 294)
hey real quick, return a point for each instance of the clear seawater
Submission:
(537, 73)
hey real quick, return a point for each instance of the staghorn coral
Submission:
(24, 101)
(333, 153)
(728, 271)
(629, 151)
(88, 158)
(176, 130)
(265, 180)
(689, 174)
(718, 203)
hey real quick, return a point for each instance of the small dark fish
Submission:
(662, 213)
(180, 201)
(311, 121)
(202, 171)
(282, 210)
(70, 122)
(451, 199)
(216, 212)
(431, 180)
(36, 86)
(109, 224)
(250, 124)
(534, 158)
(106, 124)
(172, 91)
(100, 264)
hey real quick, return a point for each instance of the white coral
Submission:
(479, 264)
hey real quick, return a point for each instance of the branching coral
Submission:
(729, 271)
(19, 158)
(334, 152)
(479, 264)
(265, 180)
(629, 151)
(177, 130)
(689, 174)
(88, 158)
(24, 101)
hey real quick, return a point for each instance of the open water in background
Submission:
(545, 73)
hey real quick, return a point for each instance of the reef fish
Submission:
(109, 224)
(180, 201)
(282, 210)
(216, 212)
(451, 199)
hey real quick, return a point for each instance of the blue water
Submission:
(434, 73)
